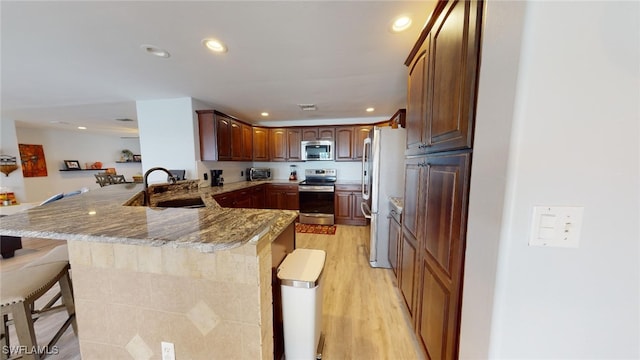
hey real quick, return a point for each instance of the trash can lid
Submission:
(302, 268)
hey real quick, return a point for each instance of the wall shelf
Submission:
(82, 169)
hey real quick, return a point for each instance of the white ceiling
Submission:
(80, 63)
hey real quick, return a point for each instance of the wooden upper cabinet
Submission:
(278, 144)
(451, 52)
(260, 144)
(309, 134)
(294, 138)
(224, 137)
(237, 150)
(207, 131)
(284, 144)
(416, 102)
(318, 133)
(247, 142)
(349, 142)
(360, 133)
(344, 143)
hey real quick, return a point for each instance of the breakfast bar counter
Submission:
(200, 278)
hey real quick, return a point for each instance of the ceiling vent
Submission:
(308, 107)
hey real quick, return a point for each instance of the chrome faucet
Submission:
(172, 180)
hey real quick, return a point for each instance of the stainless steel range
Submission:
(317, 196)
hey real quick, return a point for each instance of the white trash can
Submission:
(299, 275)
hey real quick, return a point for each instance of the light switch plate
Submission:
(556, 226)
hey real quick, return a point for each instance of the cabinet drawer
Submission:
(348, 187)
(283, 187)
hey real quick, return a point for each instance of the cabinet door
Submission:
(309, 134)
(294, 137)
(342, 205)
(237, 149)
(258, 197)
(344, 144)
(278, 144)
(247, 142)
(208, 141)
(416, 101)
(223, 137)
(441, 252)
(359, 134)
(394, 244)
(291, 200)
(225, 200)
(455, 42)
(407, 266)
(326, 133)
(413, 207)
(356, 211)
(243, 202)
(260, 144)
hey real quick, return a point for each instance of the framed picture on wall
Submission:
(72, 164)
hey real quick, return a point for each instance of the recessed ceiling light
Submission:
(370, 109)
(264, 114)
(82, 127)
(401, 23)
(155, 51)
(215, 45)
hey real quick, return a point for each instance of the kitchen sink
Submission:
(183, 203)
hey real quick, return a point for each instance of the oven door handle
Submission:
(366, 210)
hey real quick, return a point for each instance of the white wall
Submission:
(60, 145)
(574, 142)
(9, 146)
(168, 136)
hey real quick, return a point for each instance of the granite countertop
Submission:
(398, 202)
(100, 216)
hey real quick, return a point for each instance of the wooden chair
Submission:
(21, 288)
(118, 179)
(103, 179)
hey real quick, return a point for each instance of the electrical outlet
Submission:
(206, 177)
(241, 173)
(168, 351)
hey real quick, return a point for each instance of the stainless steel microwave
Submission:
(317, 150)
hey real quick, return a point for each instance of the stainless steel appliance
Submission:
(382, 178)
(316, 194)
(216, 178)
(317, 150)
(255, 173)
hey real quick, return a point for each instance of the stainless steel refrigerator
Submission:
(382, 177)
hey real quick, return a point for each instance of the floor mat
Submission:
(316, 229)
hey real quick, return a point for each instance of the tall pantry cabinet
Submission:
(443, 71)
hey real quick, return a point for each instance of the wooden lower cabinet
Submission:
(395, 238)
(432, 263)
(250, 198)
(407, 270)
(282, 197)
(347, 205)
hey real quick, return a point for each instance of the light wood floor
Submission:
(363, 312)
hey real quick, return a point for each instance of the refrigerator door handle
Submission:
(366, 159)
(366, 210)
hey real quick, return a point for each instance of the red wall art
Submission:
(33, 163)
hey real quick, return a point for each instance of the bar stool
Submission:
(21, 288)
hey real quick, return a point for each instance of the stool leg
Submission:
(24, 329)
(67, 299)
(4, 333)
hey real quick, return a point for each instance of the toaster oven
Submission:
(254, 174)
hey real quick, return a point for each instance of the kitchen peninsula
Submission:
(200, 278)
